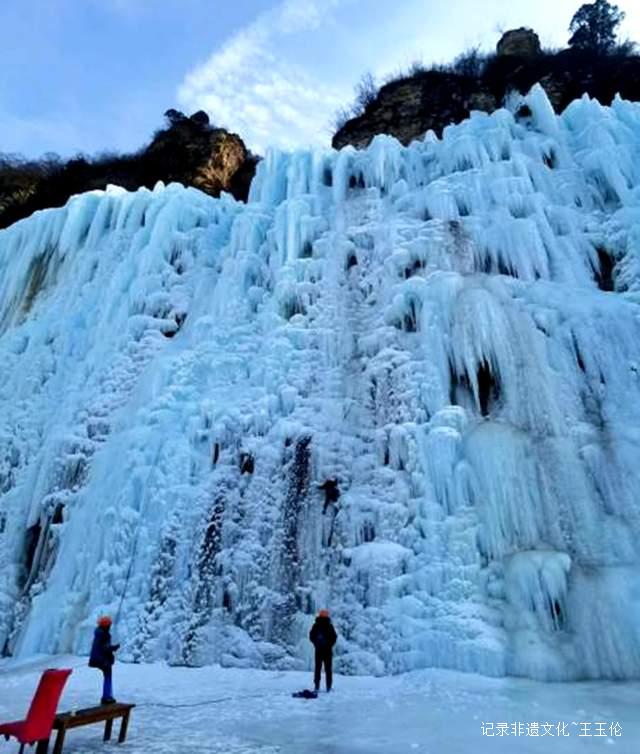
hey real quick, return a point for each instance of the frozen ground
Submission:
(252, 712)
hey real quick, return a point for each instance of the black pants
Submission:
(323, 657)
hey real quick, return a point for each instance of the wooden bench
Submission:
(106, 713)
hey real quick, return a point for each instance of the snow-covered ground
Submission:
(236, 711)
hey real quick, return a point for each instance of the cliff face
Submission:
(188, 151)
(409, 107)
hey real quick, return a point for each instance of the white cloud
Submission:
(254, 85)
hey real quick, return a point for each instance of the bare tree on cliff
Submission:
(366, 92)
(594, 26)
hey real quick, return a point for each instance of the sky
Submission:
(97, 75)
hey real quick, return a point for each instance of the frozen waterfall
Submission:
(402, 383)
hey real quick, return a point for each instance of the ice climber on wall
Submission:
(323, 637)
(102, 656)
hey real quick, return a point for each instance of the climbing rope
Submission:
(219, 700)
(207, 702)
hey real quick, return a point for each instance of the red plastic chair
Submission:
(39, 721)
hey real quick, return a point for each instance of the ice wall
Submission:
(401, 383)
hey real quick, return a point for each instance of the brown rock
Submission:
(522, 42)
(195, 154)
(408, 108)
(226, 157)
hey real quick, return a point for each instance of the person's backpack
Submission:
(305, 694)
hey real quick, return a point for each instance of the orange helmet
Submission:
(323, 614)
(104, 621)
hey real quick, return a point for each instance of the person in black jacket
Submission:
(102, 656)
(323, 637)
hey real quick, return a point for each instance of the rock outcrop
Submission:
(211, 159)
(409, 107)
(188, 151)
(522, 42)
(432, 99)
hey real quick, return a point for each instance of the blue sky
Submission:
(97, 75)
